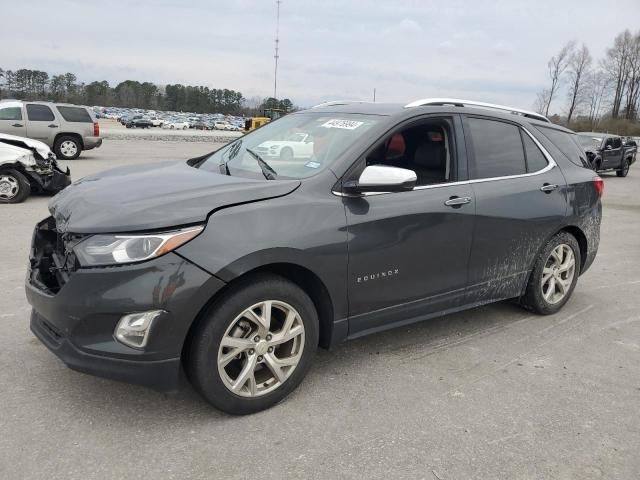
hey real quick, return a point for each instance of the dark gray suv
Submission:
(233, 267)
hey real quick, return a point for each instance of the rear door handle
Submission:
(17, 125)
(53, 125)
(548, 188)
(457, 201)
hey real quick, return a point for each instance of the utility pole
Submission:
(374, 95)
(276, 56)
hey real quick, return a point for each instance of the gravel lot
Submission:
(490, 393)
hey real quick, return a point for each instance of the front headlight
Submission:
(100, 250)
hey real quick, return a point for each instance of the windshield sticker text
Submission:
(344, 124)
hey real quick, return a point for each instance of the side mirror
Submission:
(609, 147)
(382, 178)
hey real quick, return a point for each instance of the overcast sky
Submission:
(494, 50)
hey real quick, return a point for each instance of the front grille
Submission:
(52, 259)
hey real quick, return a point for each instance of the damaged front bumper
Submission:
(50, 180)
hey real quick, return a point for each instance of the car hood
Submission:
(154, 196)
(26, 143)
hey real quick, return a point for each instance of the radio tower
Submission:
(276, 56)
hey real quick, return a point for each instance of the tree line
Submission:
(602, 93)
(27, 84)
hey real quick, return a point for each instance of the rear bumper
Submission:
(91, 142)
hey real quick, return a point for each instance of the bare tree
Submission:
(633, 83)
(616, 64)
(557, 65)
(542, 100)
(597, 88)
(579, 64)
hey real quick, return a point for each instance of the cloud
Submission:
(492, 50)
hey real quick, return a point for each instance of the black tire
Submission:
(14, 186)
(624, 171)
(202, 354)
(62, 152)
(286, 154)
(533, 298)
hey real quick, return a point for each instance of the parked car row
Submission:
(156, 118)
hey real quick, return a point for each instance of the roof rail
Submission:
(334, 103)
(471, 103)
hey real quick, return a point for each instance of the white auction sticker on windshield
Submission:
(344, 124)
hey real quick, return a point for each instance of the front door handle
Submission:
(53, 125)
(17, 125)
(548, 188)
(457, 201)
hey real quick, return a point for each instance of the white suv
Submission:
(67, 129)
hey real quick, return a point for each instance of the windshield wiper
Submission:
(268, 172)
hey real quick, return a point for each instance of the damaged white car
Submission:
(28, 166)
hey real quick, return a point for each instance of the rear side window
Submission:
(497, 149)
(617, 142)
(75, 114)
(566, 143)
(11, 113)
(39, 113)
(535, 158)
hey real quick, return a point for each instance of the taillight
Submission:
(96, 129)
(598, 184)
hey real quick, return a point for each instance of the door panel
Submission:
(12, 120)
(42, 124)
(513, 219)
(408, 254)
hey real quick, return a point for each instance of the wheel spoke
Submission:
(245, 374)
(284, 337)
(275, 366)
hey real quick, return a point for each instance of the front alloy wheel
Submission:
(261, 348)
(253, 345)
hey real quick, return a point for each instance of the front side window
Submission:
(426, 147)
(497, 149)
(617, 142)
(11, 113)
(39, 113)
(295, 146)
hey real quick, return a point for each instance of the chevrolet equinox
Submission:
(233, 267)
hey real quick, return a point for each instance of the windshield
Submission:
(294, 146)
(587, 141)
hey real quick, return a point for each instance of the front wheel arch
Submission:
(296, 274)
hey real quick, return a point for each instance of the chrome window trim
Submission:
(550, 166)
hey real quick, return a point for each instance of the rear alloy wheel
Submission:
(624, 171)
(254, 345)
(554, 275)
(67, 148)
(14, 187)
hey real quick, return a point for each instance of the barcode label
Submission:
(345, 124)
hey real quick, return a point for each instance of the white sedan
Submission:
(296, 146)
(175, 125)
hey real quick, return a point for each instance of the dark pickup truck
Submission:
(608, 152)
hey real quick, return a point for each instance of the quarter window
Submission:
(535, 158)
(566, 144)
(497, 148)
(11, 113)
(75, 114)
(39, 113)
